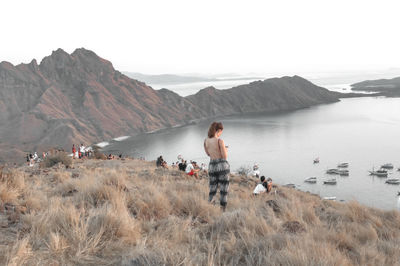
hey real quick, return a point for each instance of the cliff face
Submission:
(80, 97)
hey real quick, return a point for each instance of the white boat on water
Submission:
(393, 181)
(329, 198)
(316, 160)
(379, 173)
(343, 165)
(333, 171)
(387, 166)
(330, 181)
(311, 180)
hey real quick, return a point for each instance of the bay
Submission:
(365, 132)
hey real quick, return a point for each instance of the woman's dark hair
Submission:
(214, 127)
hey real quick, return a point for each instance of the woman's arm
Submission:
(222, 149)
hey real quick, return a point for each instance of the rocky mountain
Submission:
(81, 98)
(276, 94)
(390, 87)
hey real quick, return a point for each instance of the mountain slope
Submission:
(274, 94)
(81, 98)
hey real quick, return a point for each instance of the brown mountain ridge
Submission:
(81, 98)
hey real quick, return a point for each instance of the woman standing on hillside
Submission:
(218, 169)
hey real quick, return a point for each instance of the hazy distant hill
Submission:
(391, 87)
(180, 79)
(166, 78)
(81, 98)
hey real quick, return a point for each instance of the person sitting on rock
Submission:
(190, 170)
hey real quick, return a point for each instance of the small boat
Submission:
(393, 181)
(290, 185)
(330, 181)
(387, 166)
(316, 160)
(379, 173)
(312, 180)
(332, 171)
(398, 169)
(344, 172)
(343, 165)
(329, 198)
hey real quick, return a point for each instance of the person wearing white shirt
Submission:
(265, 186)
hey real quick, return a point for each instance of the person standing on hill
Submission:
(73, 151)
(219, 168)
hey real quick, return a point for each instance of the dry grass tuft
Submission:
(130, 213)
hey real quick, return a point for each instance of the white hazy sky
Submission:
(207, 36)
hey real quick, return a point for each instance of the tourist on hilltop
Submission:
(159, 161)
(73, 151)
(182, 166)
(82, 150)
(219, 168)
(191, 170)
(261, 187)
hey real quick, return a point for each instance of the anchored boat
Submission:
(330, 181)
(343, 165)
(379, 173)
(333, 171)
(311, 180)
(393, 181)
(329, 198)
(387, 166)
(344, 172)
(290, 185)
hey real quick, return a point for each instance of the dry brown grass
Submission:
(127, 212)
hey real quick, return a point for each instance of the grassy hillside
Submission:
(127, 212)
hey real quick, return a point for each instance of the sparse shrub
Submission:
(244, 170)
(98, 154)
(60, 157)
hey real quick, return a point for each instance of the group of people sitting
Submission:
(191, 168)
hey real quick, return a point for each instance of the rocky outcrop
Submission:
(81, 98)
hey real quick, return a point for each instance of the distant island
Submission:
(390, 87)
(81, 98)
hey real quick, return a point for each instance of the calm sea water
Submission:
(186, 89)
(365, 132)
